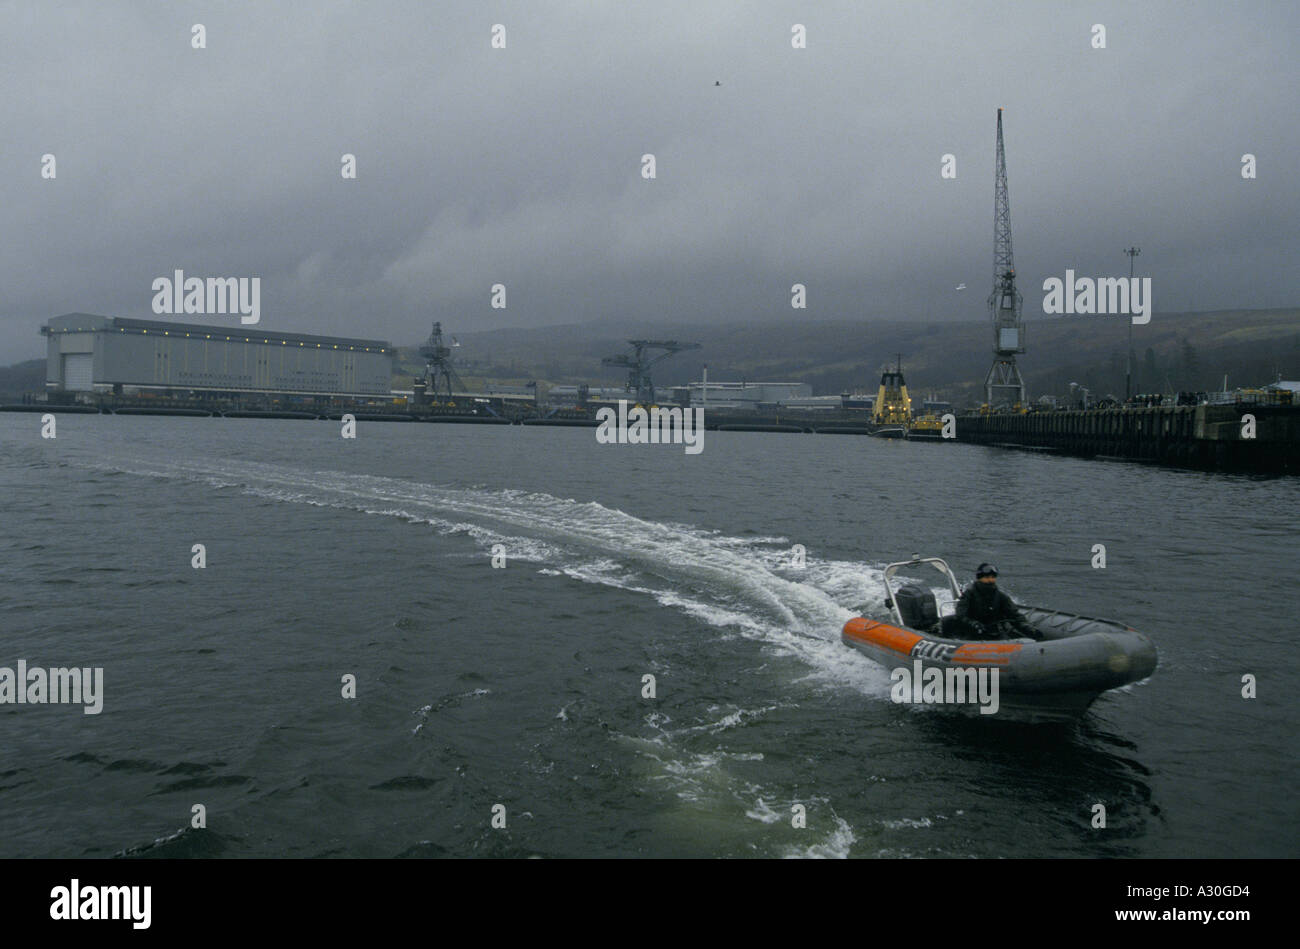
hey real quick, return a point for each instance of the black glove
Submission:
(1026, 630)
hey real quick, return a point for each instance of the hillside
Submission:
(1174, 351)
(21, 378)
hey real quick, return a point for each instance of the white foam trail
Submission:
(731, 720)
(903, 822)
(836, 846)
(735, 584)
(762, 811)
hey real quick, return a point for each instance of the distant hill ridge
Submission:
(1187, 351)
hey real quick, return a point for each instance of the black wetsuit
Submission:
(985, 612)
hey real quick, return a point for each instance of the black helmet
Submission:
(986, 570)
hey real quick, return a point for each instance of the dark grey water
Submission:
(522, 686)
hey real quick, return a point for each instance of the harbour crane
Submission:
(439, 373)
(638, 364)
(1004, 387)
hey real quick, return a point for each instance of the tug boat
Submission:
(893, 408)
(1052, 680)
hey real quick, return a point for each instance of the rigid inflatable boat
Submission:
(1054, 679)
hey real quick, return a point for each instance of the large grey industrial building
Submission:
(87, 353)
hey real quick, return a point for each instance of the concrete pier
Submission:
(1207, 437)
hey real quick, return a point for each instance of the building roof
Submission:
(90, 323)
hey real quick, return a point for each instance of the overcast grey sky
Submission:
(521, 166)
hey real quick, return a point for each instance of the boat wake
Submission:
(731, 586)
(738, 586)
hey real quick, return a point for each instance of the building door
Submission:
(78, 372)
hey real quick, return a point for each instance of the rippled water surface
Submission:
(523, 686)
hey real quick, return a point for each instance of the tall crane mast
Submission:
(1004, 388)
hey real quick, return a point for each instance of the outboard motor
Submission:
(918, 607)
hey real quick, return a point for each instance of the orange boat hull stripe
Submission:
(882, 634)
(902, 641)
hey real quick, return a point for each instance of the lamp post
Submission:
(1128, 357)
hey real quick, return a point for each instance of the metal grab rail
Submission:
(936, 562)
